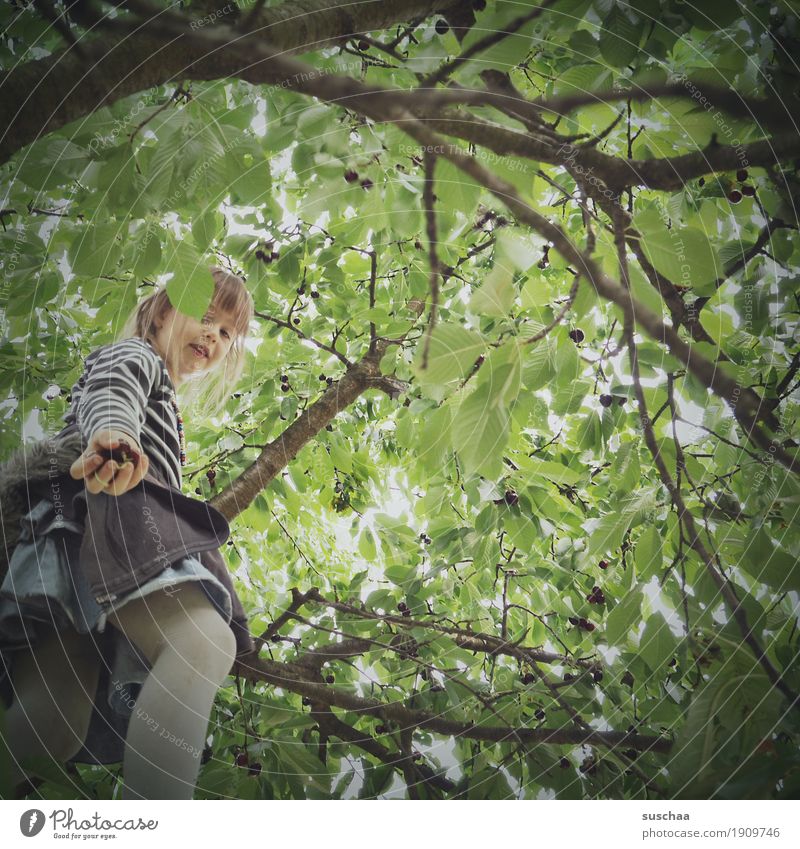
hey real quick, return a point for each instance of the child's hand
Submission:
(112, 463)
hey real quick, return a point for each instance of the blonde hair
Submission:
(210, 394)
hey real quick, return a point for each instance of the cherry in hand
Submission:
(123, 453)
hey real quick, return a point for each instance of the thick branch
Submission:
(45, 94)
(288, 678)
(279, 453)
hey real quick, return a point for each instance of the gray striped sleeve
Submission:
(118, 384)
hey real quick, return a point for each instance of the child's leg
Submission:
(54, 687)
(191, 650)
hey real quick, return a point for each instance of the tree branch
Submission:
(278, 453)
(684, 515)
(133, 55)
(288, 678)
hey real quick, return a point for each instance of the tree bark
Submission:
(43, 95)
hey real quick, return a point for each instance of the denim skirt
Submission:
(45, 587)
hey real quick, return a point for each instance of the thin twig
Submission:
(433, 256)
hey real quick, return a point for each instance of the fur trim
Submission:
(29, 465)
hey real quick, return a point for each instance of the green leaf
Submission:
(657, 644)
(341, 453)
(684, 255)
(649, 556)
(578, 79)
(569, 399)
(626, 614)
(619, 38)
(625, 470)
(206, 228)
(495, 295)
(502, 369)
(536, 469)
(366, 545)
(609, 532)
(148, 252)
(539, 367)
(510, 50)
(771, 564)
(96, 250)
(191, 287)
(729, 714)
(480, 431)
(453, 351)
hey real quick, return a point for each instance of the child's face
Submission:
(191, 347)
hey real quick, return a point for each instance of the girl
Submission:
(115, 543)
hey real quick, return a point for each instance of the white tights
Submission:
(190, 649)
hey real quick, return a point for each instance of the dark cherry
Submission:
(539, 714)
(442, 26)
(749, 191)
(734, 196)
(242, 759)
(741, 175)
(577, 335)
(254, 768)
(123, 453)
(528, 678)
(606, 400)
(329, 679)
(564, 763)
(351, 176)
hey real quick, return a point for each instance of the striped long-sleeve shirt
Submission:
(125, 386)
